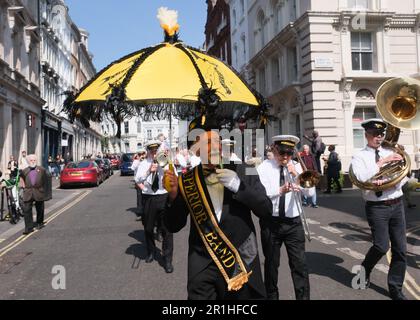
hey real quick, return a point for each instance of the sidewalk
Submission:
(59, 199)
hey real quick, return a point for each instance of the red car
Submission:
(84, 172)
(115, 162)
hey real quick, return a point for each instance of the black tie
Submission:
(377, 157)
(282, 200)
(155, 184)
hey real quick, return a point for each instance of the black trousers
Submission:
(387, 223)
(331, 179)
(27, 212)
(209, 284)
(274, 233)
(153, 211)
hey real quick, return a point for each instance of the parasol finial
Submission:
(169, 22)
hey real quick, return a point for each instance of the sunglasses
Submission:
(376, 133)
(288, 153)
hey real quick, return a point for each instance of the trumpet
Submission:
(163, 159)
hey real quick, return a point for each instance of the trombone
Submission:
(307, 179)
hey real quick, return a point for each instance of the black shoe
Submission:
(149, 258)
(411, 206)
(138, 218)
(397, 295)
(314, 206)
(169, 268)
(39, 226)
(26, 232)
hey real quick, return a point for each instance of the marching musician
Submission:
(384, 209)
(279, 177)
(149, 177)
(223, 258)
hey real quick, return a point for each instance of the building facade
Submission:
(20, 102)
(321, 63)
(217, 30)
(66, 65)
(135, 133)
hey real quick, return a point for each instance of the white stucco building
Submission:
(320, 63)
(20, 102)
(135, 133)
(66, 65)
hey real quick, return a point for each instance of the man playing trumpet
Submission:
(280, 179)
(150, 177)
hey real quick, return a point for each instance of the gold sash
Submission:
(222, 251)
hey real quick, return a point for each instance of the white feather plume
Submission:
(168, 17)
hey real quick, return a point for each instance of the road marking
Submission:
(1, 240)
(332, 229)
(22, 238)
(382, 267)
(410, 283)
(355, 239)
(324, 240)
(310, 221)
(352, 253)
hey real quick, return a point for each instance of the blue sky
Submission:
(119, 27)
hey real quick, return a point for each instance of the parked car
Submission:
(115, 161)
(108, 164)
(126, 162)
(105, 168)
(81, 173)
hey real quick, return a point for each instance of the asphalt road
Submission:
(92, 248)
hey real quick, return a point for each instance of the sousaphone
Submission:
(398, 102)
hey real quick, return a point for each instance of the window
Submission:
(243, 44)
(126, 127)
(360, 115)
(275, 67)
(235, 54)
(292, 10)
(234, 18)
(138, 126)
(292, 64)
(149, 134)
(361, 51)
(358, 4)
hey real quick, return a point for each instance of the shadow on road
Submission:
(138, 250)
(327, 265)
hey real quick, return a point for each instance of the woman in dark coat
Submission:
(333, 169)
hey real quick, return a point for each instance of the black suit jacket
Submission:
(236, 223)
(34, 192)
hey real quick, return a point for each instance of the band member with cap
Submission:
(150, 177)
(280, 178)
(384, 209)
(137, 159)
(223, 258)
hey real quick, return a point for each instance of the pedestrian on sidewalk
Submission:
(317, 148)
(137, 159)
(23, 162)
(333, 170)
(310, 163)
(34, 182)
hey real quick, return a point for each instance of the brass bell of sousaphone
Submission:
(398, 102)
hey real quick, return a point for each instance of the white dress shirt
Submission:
(269, 172)
(181, 160)
(216, 191)
(194, 161)
(144, 176)
(135, 166)
(365, 167)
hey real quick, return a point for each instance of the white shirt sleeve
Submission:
(142, 172)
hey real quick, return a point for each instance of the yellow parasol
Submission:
(170, 74)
